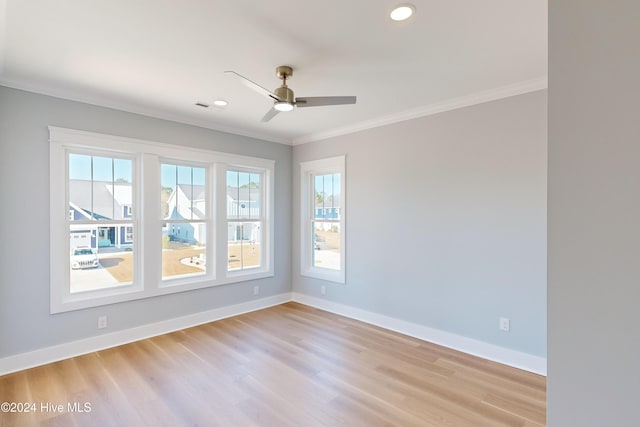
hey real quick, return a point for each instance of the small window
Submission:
(323, 220)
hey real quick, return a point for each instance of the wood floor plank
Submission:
(288, 365)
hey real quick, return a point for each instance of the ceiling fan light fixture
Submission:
(283, 97)
(283, 106)
(402, 12)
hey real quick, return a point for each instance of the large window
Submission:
(100, 222)
(183, 197)
(133, 219)
(323, 219)
(244, 219)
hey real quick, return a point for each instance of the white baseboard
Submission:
(481, 349)
(467, 345)
(76, 348)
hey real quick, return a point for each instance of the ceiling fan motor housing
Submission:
(285, 94)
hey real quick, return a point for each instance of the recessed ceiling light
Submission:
(220, 103)
(402, 12)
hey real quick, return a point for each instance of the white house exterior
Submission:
(188, 202)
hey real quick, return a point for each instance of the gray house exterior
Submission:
(97, 201)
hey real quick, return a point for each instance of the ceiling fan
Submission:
(283, 99)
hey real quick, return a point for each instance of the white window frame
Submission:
(209, 273)
(265, 205)
(147, 217)
(307, 209)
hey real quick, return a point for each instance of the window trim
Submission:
(146, 220)
(261, 219)
(209, 220)
(307, 209)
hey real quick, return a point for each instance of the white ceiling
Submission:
(159, 57)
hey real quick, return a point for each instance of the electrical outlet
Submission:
(102, 322)
(256, 290)
(505, 324)
(323, 289)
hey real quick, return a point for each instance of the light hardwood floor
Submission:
(289, 365)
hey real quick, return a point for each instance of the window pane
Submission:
(327, 196)
(244, 245)
(102, 169)
(184, 175)
(122, 189)
(100, 189)
(326, 245)
(182, 192)
(101, 257)
(255, 192)
(183, 249)
(80, 207)
(103, 200)
(122, 170)
(244, 195)
(94, 192)
(335, 190)
(79, 167)
(168, 186)
(102, 177)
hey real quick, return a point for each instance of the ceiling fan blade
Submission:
(254, 86)
(270, 115)
(318, 101)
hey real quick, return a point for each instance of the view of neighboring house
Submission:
(243, 203)
(188, 202)
(327, 213)
(95, 201)
(328, 208)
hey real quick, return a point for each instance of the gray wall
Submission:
(25, 322)
(594, 212)
(446, 221)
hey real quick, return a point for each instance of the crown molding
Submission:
(135, 109)
(427, 110)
